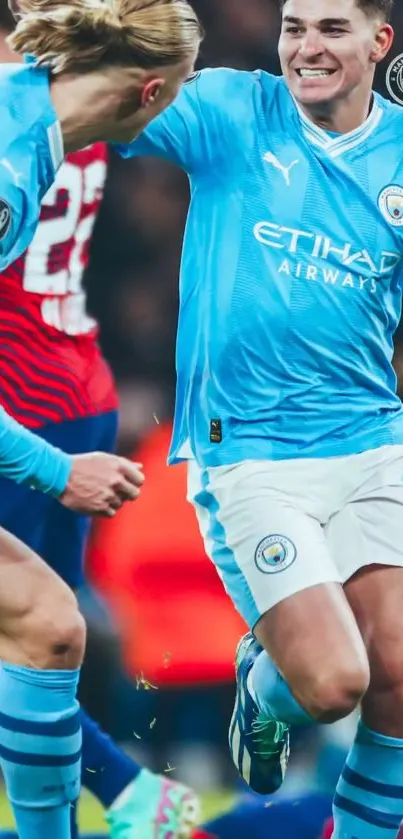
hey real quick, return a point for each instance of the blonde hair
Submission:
(84, 35)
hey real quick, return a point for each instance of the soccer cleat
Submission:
(259, 745)
(153, 807)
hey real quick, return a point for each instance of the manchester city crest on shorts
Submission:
(390, 203)
(5, 218)
(275, 553)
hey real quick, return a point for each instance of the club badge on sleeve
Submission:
(5, 218)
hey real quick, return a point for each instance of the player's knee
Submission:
(387, 676)
(67, 641)
(336, 694)
(60, 632)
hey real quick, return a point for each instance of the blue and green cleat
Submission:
(259, 745)
(153, 807)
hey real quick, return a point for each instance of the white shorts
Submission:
(274, 528)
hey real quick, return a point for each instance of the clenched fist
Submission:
(99, 484)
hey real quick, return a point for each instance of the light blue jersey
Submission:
(31, 151)
(291, 278)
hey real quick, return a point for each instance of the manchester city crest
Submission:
(390, 203)
(5, 218)
(275, 553)
(394, 79)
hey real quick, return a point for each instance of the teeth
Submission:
(305, 73)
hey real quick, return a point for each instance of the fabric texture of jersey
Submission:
(291, 273)
(51, 368)
(31, 151)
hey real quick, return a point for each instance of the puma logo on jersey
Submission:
(272, 160)
(16, 175)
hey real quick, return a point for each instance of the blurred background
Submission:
(163, 633)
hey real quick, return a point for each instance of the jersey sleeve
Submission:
(30, 153)
(198, 128)
(28, 459)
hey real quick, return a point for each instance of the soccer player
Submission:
(102, 71)
(291, 291)
(54, 380)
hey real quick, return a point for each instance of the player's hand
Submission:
(100, 484)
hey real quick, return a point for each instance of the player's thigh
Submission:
(37, 610)
(376, 597)
(56, 534)
(63, 543)
(275, 564)
(109, 432)
(369, 536)
(84, 434)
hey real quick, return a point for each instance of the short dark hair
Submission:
(383, 7)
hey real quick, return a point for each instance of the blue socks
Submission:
(369, 798)
(106, 770)
(40, 748)
(272, 694)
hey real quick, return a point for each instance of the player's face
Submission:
(329, 48)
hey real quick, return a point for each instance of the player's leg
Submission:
(298, 816)
(130, 794)
(42, 639)
(274, 561)
(369, 798)
(59, 535)
(105, 769)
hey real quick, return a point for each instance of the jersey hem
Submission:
(251, 449)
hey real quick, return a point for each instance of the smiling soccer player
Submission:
(291, 290)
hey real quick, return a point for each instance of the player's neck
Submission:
(87, 108)
(343, 116)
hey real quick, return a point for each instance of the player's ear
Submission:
(13, 5)
(151, 91)
(383, 41)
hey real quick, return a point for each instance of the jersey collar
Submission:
(56, 144)
(336, 146)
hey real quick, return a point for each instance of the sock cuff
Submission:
(42, 678)
(367, 737)
(28, 693)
